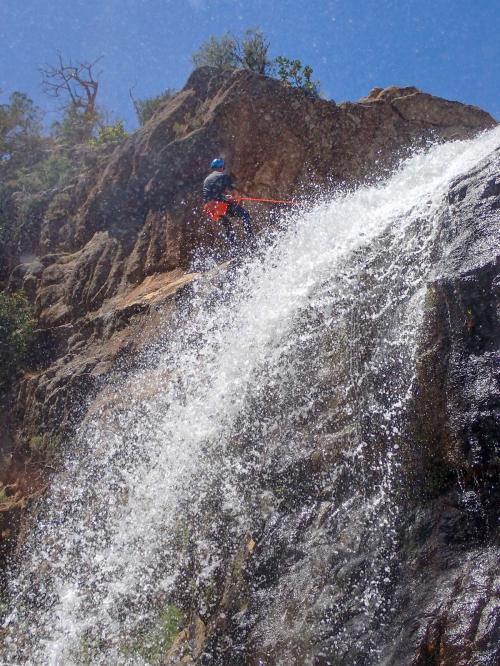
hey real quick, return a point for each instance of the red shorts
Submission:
(215, 209)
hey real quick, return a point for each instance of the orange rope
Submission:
(275, 201)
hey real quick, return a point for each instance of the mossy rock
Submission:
(154, 644)
(44, 446)
(431, 298)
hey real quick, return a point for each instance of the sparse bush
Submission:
(110, 134)
(220, 52)
(76, 126)
(146, 108)
(45, 175)
(253, 51)
(75, 85)
(21, 143)
(228, 52)
(296, 75)
(16, 331)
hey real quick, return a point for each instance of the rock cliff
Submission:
(125, 232)
(120, 243)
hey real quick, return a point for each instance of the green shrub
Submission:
(46, 175)
(253, 51)
(219, 52)
(16, 332)
(75, 127)
(296, 75)
(228, 52)
(21, 142)
(110, 134)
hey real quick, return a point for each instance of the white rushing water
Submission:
(114, 535)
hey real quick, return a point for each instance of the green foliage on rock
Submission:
(21, 143)
(75, 127)
(229, 52)
(171, 622)
(431, 298)
(36, 444)
(47, 174)
(45, 446)
(146, 108)
(110, 134)
(252, 52)
(296, 75)
(16, 332)
(219, 52)
(4, 605)
(154, 644)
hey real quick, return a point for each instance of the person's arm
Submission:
(230, 193)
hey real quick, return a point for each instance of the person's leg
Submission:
(242, 213)
(227, 227)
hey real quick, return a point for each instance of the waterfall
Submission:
(269, 414)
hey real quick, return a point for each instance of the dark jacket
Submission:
(215, 186)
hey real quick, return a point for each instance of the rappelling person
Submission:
(222, 201)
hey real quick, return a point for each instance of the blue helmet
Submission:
(217, 163)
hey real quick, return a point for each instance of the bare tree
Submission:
(76, 85)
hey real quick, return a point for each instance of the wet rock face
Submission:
(290, 593)
(458, 423)
(459, 368)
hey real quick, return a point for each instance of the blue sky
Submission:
(449, 48)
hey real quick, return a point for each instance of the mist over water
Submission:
(306, 349)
